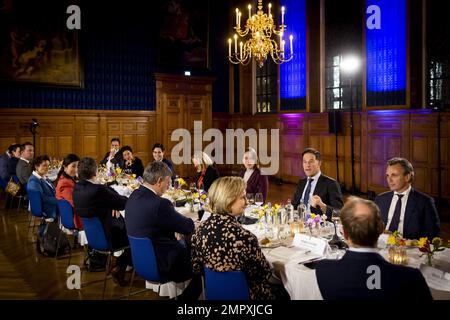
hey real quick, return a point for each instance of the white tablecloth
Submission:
(301, 283)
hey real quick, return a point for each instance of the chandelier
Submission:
(261, 41)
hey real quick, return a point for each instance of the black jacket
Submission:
(421, 216)
(149, 215)
(355, 277)
(327, 189)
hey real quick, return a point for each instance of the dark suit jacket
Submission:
(23, 171)
(49, 204)
(97, 200)
(12, 165)
(136, 167)
(256, 183)
(4, 159)
(149, 215)
(421, 216)
(211, 174)
(348, 278)
(327, 189)
(117, 160)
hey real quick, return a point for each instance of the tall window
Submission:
(438, 53)
(266, 87)
(343, 37)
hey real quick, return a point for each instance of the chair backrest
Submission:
(229, 285)
(144, 258)
(95, 234)
(35, 203)
(66, 213)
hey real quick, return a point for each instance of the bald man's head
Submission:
(362, 222)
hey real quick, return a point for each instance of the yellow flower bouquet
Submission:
(431, 247)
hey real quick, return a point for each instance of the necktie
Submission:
(396, 217)
(307, 191)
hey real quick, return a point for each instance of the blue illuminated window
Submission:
(386, 52)
(293, 73)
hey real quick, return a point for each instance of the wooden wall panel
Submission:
(180, 101)
(379, 136)
(84, 132)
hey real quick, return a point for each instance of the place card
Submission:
(313, 244)
(436, 279)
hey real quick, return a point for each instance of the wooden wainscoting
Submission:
(84, 132)
(180, 101)
(379, 136)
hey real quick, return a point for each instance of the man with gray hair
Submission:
(404, 209)
(149, 215)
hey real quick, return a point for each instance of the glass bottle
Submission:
(289, 210)
(176, 183)
(301, 210)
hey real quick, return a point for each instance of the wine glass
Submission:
(250, 198)
(259, 200)
(335, 216)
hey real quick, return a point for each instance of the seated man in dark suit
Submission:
(92, 199)
(113, 157)
(320, 193)
(362, 273)
(24, 168)
(404, 209)
(150, 215)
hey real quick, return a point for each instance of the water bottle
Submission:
(290, 210)
(301, 210)
(176, 183)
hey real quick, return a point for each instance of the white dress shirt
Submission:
(248, 173)
(402, 212)
(313, 187)
(44, 178)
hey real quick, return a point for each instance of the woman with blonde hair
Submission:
(221, 244)
(252, 175)
(207, 172)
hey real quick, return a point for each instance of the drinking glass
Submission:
(335, 216)
(259, 200)
(333, 252)
(250, 198)
(193, 187)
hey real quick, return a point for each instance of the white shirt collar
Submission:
(27, 161)
(92, 181)
(37, 175)
(405, 193)
(316, 176)
(363, 250)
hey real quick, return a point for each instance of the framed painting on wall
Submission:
(182, 40)
(36, 45)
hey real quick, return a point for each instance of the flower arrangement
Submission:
(431, 247)
(396, 239)
(181, 182)
(313, 220)
(269, 209)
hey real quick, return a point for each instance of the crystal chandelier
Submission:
(262, 41)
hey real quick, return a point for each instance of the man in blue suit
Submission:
(404, 209)
(150, 215)
(362, 273)
(39, 182)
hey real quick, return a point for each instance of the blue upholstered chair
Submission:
(230, 285)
